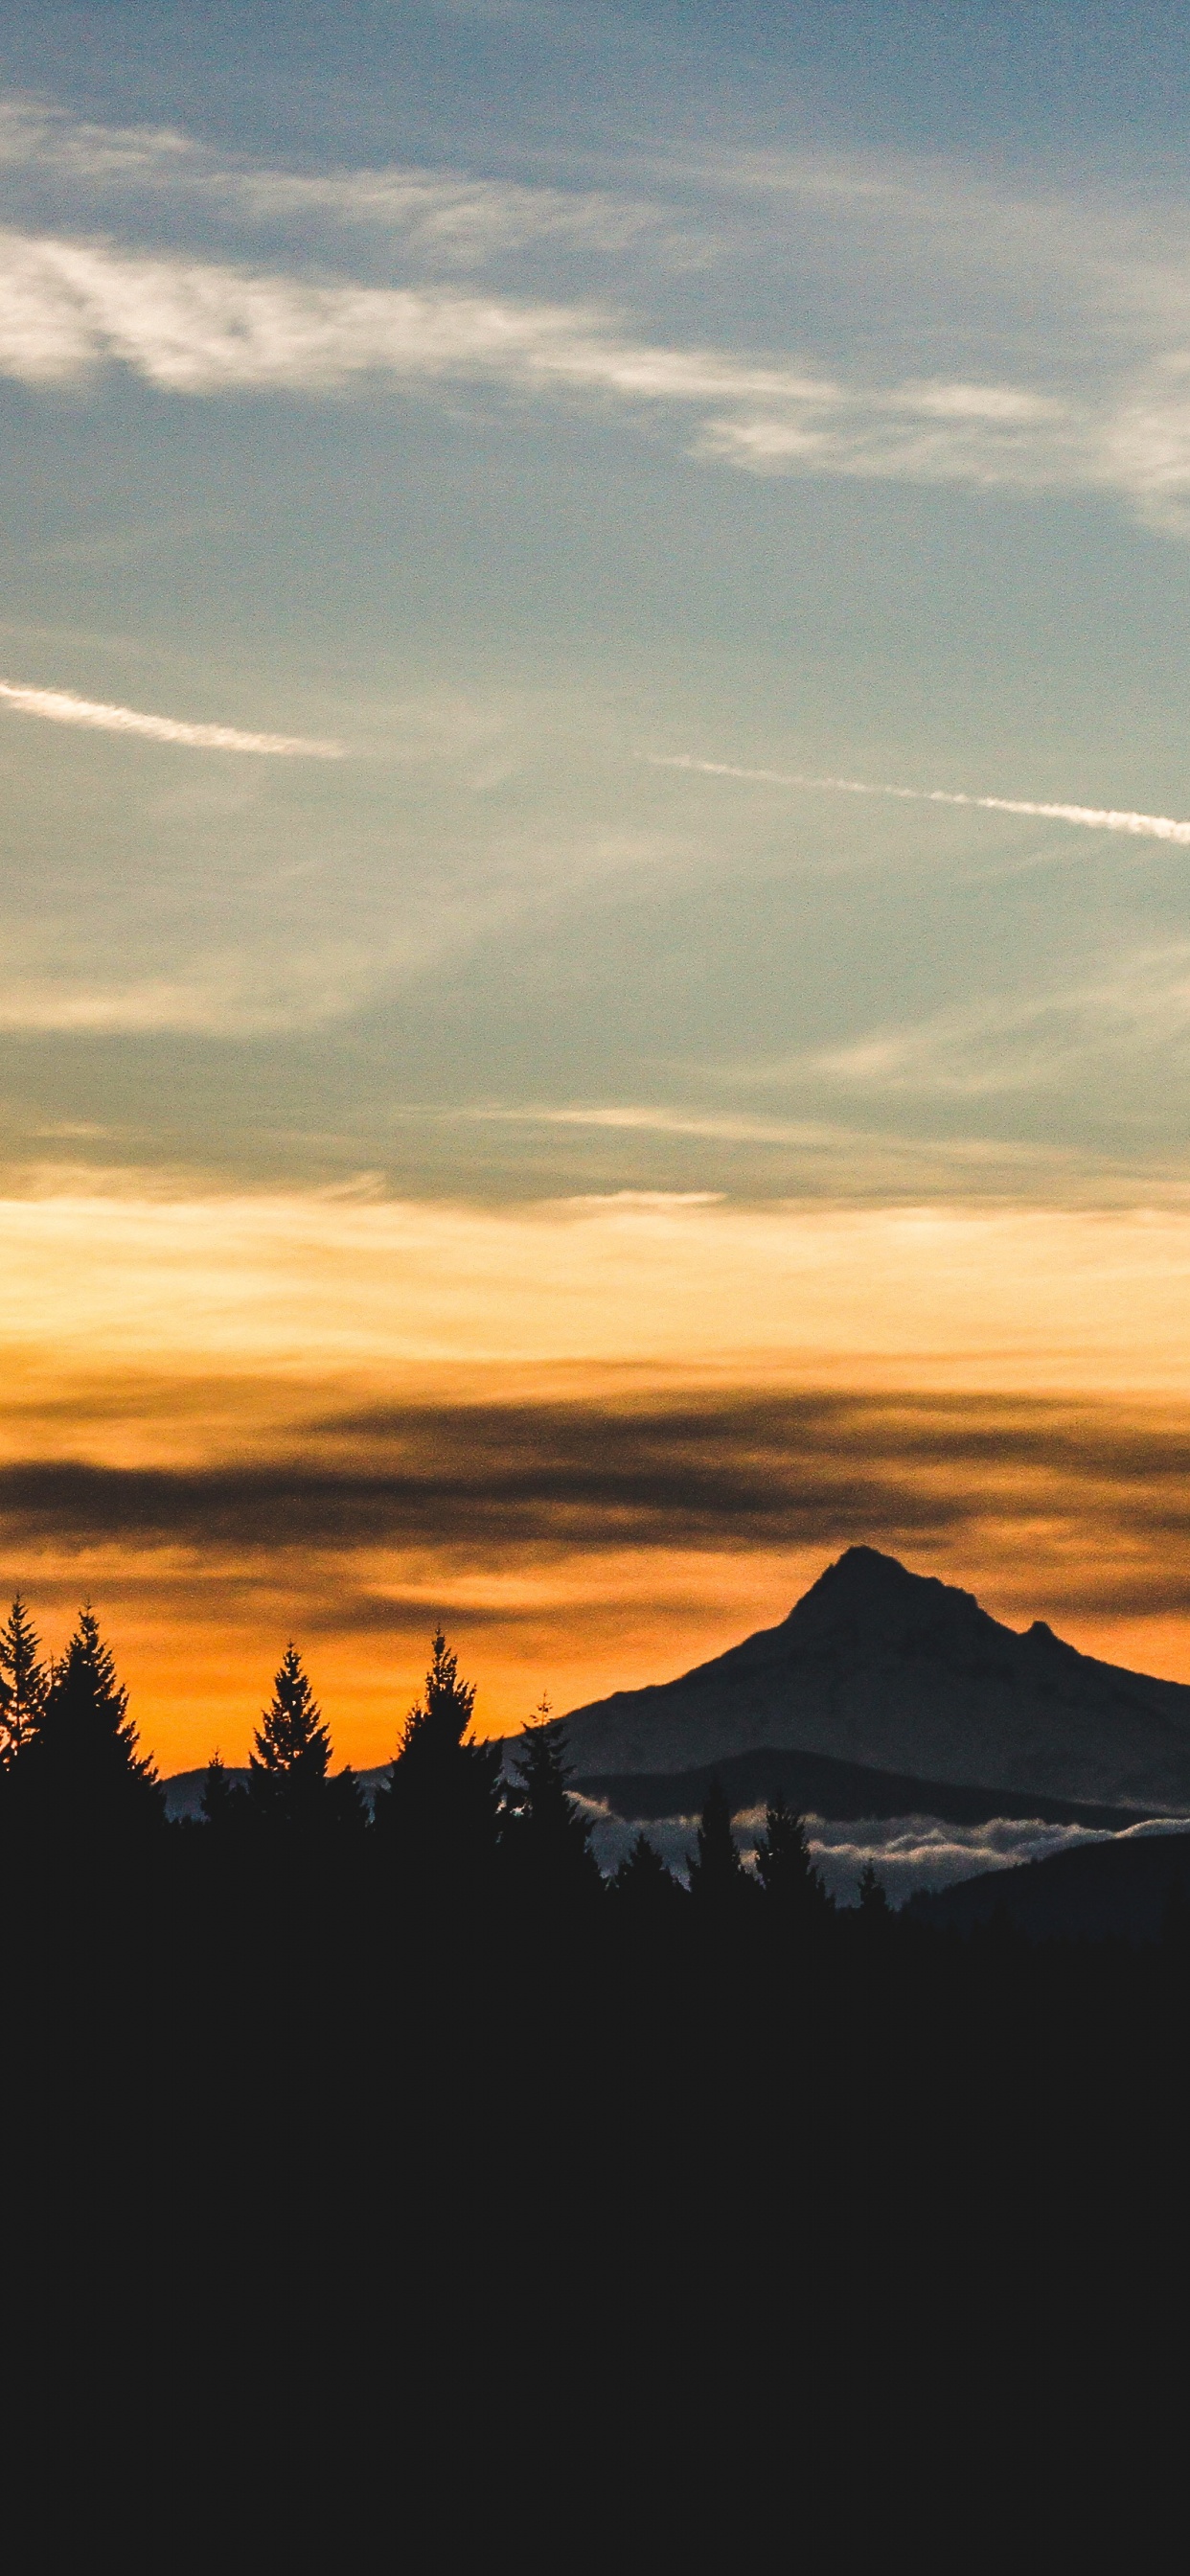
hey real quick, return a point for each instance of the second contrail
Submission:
(1095, 818)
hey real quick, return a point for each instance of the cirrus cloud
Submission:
(1088, 301)
(201, 327)
(205, 327)
(452, 218)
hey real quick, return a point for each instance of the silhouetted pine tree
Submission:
(288, 1770)
(718, 1880)
(547, 1836)
(23, 1682)
(438, 1820)
(793, 1891)
(82, 1763)
(218, 1790)
(224, 1803)
(645, 1893)
(873, 1903)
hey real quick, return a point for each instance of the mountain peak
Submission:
(867, 1591)
(866, 1570)
(903, 1673)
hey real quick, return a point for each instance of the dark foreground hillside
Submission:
(1129, 1890)
(392, 2188)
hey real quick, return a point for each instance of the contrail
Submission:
(1097, 818)
(61, 708)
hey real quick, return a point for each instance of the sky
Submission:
(494, 1126)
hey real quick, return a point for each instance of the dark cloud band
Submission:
(486, 1481)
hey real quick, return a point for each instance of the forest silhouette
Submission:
(421, 2102)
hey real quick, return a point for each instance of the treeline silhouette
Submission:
(384, 2119)
(448, 1834)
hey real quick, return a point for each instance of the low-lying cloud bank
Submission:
(911, 1854)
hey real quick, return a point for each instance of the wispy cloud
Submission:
(60, 706)
(857, 1161)
(1079, 310)
(446, 216)
(211, 1007)
(635, 1118)
(201, 327)
(1135, 1007)
(1096, 818)
(985, 435)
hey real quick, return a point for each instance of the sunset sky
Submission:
(482, 1139)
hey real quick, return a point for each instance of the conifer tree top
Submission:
(291, 1738)
(717, 1873)
(23, 1682)
(83, 1752)
(87, 1699)
(546, 1827)
(439, 1721)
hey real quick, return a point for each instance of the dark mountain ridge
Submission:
(814, 1784)
(901, 1673)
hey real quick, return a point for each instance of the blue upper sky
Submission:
(1041, 83)
(525, 398)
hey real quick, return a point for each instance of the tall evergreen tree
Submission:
(437, 1724)
(546, 1832)
(23, 1682)
(82, 1761)
(289, 1767)
(224, 1804)
(873, 1903)
(644, 1892)
(872, 1924)
(438, 1818)
(718, 1879)
(793, 1891)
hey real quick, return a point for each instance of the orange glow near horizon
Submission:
(600, 1439)
(194, 1691)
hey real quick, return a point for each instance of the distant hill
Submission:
(813, 1784)
(1120, 1888)
(897, 1672)
(183, 1790)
